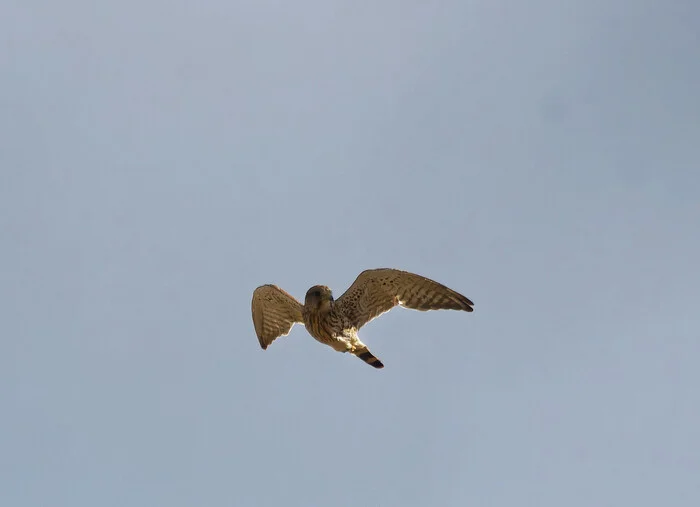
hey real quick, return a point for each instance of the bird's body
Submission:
(326, 321)
(336, 322)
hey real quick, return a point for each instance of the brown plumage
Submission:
(336, 322)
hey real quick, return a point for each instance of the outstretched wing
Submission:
(274, 313)
(376, 291)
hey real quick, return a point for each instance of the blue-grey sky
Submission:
(161, 159)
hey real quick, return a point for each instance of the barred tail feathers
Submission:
(369, 358)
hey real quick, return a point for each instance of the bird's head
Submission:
(319, 297)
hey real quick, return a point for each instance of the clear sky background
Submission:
(159, 160)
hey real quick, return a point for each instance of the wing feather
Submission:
(376, 291)
(274, 313)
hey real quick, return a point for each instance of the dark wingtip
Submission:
(466, 303)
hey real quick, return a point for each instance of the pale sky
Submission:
(160, 160)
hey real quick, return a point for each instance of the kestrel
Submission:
(335, 322)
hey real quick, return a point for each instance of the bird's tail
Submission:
(369, 358)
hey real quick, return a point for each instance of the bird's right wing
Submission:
(274, 313)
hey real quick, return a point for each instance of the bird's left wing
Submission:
(376, 291)
(274, 313)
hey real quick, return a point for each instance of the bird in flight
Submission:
(335, 322)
